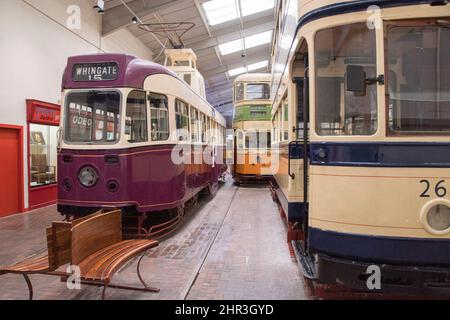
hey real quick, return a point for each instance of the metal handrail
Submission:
(297, 143)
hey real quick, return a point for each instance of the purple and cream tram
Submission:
(125, 124)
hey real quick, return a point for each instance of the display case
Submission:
(43, 125)
(42, 155)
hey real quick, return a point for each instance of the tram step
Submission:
(305, 263)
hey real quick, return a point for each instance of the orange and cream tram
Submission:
(137, 136)
(364, 156)
(252, 127)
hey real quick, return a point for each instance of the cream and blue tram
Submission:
(368, 182)
(252, 128)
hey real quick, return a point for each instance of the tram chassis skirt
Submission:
(409, 280)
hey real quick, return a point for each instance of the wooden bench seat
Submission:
(30, 265)
(101, 265)
(93, 244)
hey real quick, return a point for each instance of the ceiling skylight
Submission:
(220, 11)
(258, 39)
(230, 47)
(250, 7)
(235, 72)
(258, 65)
(250, 67)
(250, 42)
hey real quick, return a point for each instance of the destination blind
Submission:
(103, 71)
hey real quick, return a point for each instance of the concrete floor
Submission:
(232, 246)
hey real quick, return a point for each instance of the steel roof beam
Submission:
(120, 17)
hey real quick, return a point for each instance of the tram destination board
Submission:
(102, 71)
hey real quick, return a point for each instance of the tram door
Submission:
(10, 184)
(301, 80)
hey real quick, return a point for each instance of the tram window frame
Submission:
(204, 127)
(95, 123)
(159, 135)
(274, 128)
(278, 124)
(195, 125)
(285, 118)
(258, 134)
(265, 92)
(209, 133)
(181, 136)
(418, 82)
(258, 111)
(239, 92)
(187, 77)
(347, 116)
(240, 139)
(143, 106)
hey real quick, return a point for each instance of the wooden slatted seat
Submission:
(30, 265)
(93, 244)
(101, 265)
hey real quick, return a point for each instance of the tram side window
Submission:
(213, 132)
(223, 137)
(338, 111)
(258, 91)
(182, 120)
(204, 127)
(285, 135)
(259, 112)
(136, 117)
(92, 116)
(188, 78)
(251, 140)
(264, 139)
(278, 125)
(239, 92)
(418, 56)
(195, 130)
(208, 130)
(240, 139)
(275, 128)
(159, 117)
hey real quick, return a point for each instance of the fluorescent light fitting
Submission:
(100, 5)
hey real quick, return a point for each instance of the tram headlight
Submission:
(435, 217)
(88, 177)
(438, 217)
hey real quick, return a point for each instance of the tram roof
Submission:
(311, 10)
(258, 77)
(132, 71)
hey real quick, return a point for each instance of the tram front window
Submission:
(258, 140)
(418, 58)
(258, 91)
(339, 111)
(92, 117)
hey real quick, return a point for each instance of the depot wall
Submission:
(35, 43)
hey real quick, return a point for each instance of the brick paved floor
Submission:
(249, 258)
